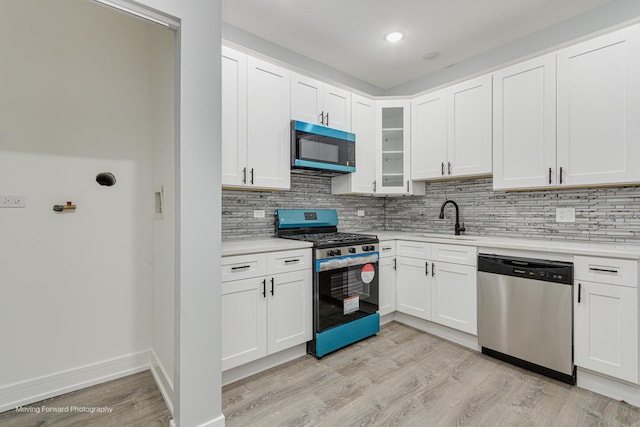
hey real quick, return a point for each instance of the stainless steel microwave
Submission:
(320, 147)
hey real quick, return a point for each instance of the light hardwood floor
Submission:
(404, 377)
(135, 400)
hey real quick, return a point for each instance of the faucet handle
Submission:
(461, 227)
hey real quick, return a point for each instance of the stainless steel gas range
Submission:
(345, 278)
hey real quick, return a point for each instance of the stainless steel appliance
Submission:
(525, 313)
(320, 147)
(345, 279)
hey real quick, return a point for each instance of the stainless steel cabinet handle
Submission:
(433, 269)
(579, 291)
(442, 168)
(386, 249)
(287, 261)
(252, 175)
(244, 175)
(374, 186)
(603, 270)
(549, 175)
(407, 186)
(560, 174)
(264, 288)
(449, 167)
(272, 286)
(240, 267)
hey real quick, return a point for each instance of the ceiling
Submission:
(348, 34)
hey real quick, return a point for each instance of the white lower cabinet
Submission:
(387, 279)
(453, 296)
(265, 314)
(413, 287)
(606, 317)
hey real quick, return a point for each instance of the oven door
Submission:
(345, 289)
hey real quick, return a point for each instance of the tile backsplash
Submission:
(607, 215)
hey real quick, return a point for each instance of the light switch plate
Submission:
(360, 212)
(565, 214)
(258, 214)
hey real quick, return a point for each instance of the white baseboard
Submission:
(162, 380)
(387, 318)
(615, 389)
(461, 338)
(34, 390)
(218, 422)
(252, 368)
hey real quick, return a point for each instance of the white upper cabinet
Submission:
(599, 110)
(524, 124)
(451, 131)
(363, 125)
(315, 102)
(234, 117)
(393, 141)
(255, 123)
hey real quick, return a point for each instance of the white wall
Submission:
(74, 101)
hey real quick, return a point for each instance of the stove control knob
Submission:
(331, 252)
(352, 250)
(366, 248)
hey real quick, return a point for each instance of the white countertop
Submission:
(269, 244)
(536, 245)
(272, 244)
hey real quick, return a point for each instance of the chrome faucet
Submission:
(458, 229)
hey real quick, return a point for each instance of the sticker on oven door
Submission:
(351, 304)
(368, 273)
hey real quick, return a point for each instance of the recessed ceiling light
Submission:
(394, 36)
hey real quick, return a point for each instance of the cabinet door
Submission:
(524, 125)
(306, 99)
(363, 121)
(429, 136)
(453, 300)
(393, 138)
(387, 283)
(413, 287)
(244, 326)
(268, 120)
(234, 117)
(289, 309)
(337, 108)
(598, 110)
(469, 128)
(606, 329)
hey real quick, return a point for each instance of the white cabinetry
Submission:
(393, 148)
(255, 122)
(266, 304)
(580, 128)
(451, 131)
(606, 316)
(363, 125)
(387, 279)
(413, 287)
(453, 298)
(315, 102)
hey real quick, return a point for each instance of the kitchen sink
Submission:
(449, 236)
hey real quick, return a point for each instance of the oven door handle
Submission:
(347, 261)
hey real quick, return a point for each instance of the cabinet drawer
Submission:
(387, 248)
(623, 272)
(243, 266)
(281, 262)
(456, 254)
(413, 249)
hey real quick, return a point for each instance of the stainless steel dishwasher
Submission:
(525, 313)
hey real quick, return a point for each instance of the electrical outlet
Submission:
(360, 212)
(258, 214)
(565, 214)
(12, 201)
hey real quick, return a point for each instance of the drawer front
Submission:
(421, 250)
(622, 272)
(284, 261)
(243, 266)
(387, 248)
(467, 255)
